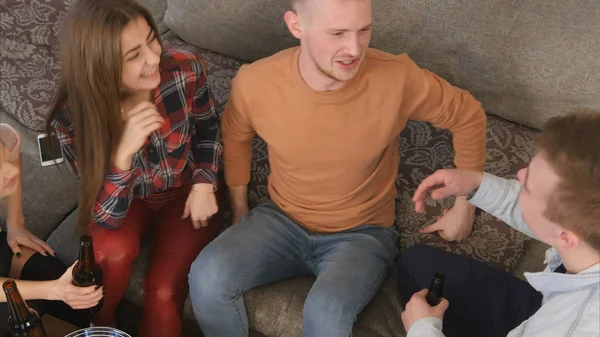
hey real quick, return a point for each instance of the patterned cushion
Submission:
(29, 66)
(33, 21)
(28, 75)
(423, 150)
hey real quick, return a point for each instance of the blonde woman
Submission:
(43, 280)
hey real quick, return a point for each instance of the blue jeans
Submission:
(267, 246)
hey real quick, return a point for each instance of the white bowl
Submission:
(98, 331)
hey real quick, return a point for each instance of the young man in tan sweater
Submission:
(330, 112)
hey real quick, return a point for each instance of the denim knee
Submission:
(210, 278)
(328, 316)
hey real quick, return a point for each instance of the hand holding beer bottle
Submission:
(87, 272)
(63, 289)
(426, 303)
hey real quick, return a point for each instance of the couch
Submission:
(526, 61)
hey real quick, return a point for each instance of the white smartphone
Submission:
(47, 156)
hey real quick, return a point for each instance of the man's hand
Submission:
(455, 224)
(444, 183)
(201, 205)
(77, 297)
(18, 236)
(418, 308)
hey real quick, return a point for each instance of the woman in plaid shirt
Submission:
(138, 125)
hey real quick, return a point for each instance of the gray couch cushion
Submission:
(49, 193)
(525, 60)
(246, 30)
(157, 8)
(65, 239)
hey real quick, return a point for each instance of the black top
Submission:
(6, 255)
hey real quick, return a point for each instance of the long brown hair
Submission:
(90, 85)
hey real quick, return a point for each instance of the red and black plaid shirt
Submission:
(186, 150)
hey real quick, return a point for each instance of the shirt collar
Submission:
(551, 282)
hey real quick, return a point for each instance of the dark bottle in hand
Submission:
(435, 293)
(87, 272)
(23, 321)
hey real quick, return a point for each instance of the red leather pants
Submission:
(176, 246)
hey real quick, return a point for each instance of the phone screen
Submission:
(46, 150)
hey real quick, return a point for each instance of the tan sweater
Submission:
(334, 154)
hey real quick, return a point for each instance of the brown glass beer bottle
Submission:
(87, 272)
(435, 292)
(23, 321)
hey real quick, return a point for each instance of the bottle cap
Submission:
(437, 283)
(86, 240)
